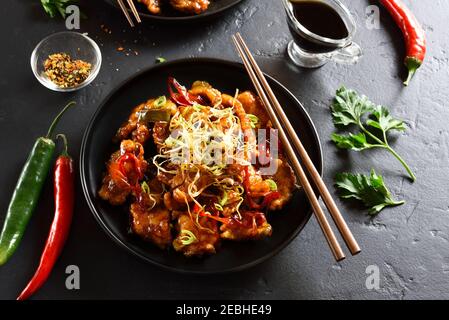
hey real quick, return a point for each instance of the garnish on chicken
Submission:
(190, 6)
(201, 184)
(154, 6)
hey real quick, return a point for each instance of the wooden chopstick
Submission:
(327, 198)
(125, 12)
(322, 220)
(134, 10)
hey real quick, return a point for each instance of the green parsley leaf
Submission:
(53, 7)
(350, 108)
(382, 120)
(371, 190)
(356, 142)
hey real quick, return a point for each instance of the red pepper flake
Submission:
(65, 72)
(105, 29)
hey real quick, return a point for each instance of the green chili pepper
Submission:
(27, 191)
(154, 115)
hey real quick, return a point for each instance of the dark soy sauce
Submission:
(319, 18)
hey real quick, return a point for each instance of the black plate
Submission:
(216, 7)
(97, 146)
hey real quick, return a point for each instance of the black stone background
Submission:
(408, 243)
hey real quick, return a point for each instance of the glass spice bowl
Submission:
(75, 44)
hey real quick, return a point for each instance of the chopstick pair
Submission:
(289, 137)
(133, 9)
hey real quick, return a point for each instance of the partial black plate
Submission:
(97, 146)
(216, 7)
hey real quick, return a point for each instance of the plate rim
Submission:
(181, 18)
(116, 239)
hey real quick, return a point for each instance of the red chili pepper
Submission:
(129, 157)
(64, 189)
(198, 210)
(181, 97)
(415, 37)
(270, 197)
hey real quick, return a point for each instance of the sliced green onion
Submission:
(160, 102)
(187, 237)
(224, 199)
(253, 119)
(145, 187)
(198, 107)
(218, 206)
(272, 184)
(160, 60)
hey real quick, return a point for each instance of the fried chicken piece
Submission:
(286, 182)
(190, 6)
(205, 92)
(257, 185)
(253, 105)
(139, 130)
(154, 6)
(205, 241)
(112, 190)
(284, 176)
(151, 225)
(124, 168)
(141, 134)
(133, 124)
(253, 226)
(160, 133)
(171, 204)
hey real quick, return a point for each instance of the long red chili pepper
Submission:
(415, 37)
(64, 189)
(181, 97)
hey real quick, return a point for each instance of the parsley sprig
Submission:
(53, 7)
(373, 121)
(371, 190)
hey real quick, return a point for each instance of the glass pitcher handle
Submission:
(348, 55)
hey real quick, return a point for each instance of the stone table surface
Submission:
(409, 244)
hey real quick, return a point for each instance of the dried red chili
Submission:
(181, 97)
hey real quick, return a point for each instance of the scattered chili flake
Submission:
(65, 72)
(105, 29)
